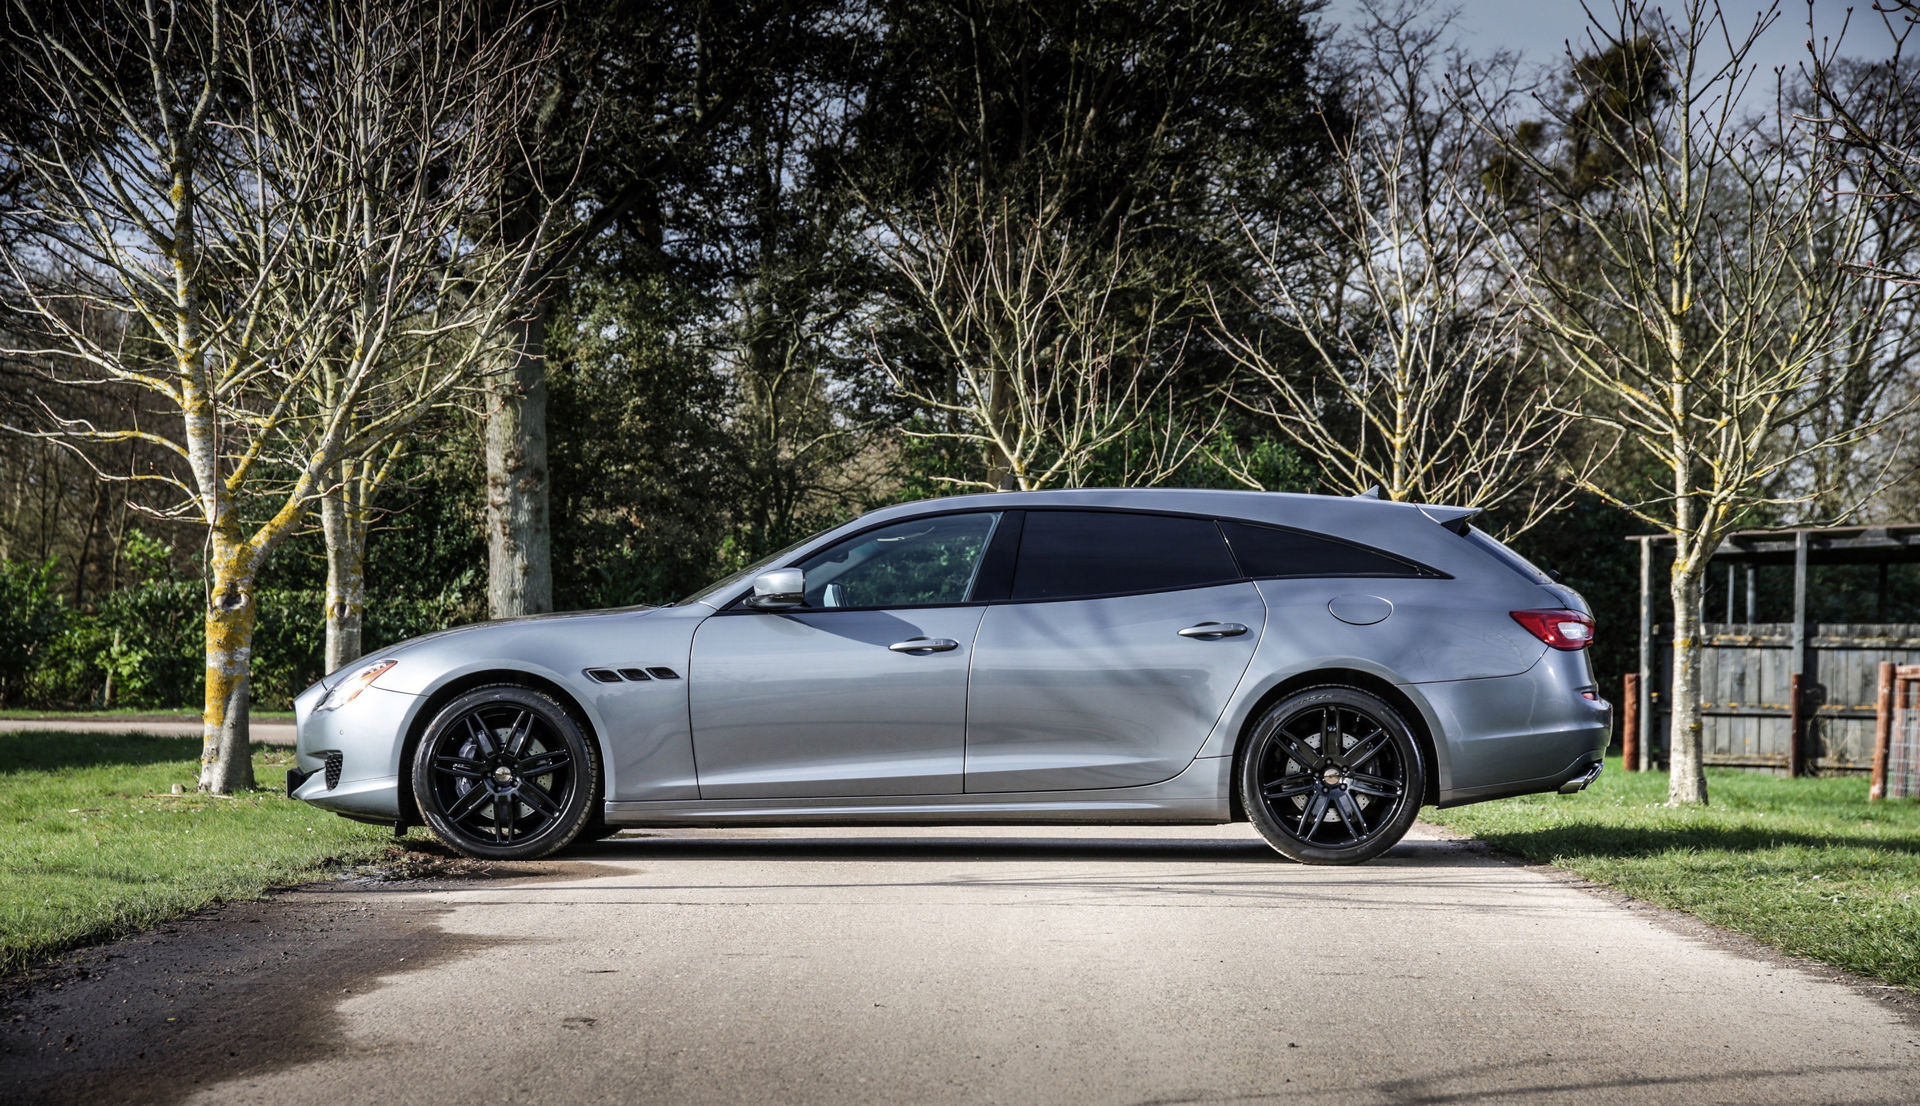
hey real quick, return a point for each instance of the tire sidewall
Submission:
(574, 816)
(1408, 747)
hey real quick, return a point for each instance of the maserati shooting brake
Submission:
(1319, 666)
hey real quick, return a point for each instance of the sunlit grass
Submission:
(94, 844)
(1808, 866)
(118, 714)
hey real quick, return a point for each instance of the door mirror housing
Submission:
(778, 590)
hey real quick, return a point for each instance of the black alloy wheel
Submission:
(504, 773)
(1332, 775)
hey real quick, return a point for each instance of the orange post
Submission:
(1630, 724)
(1882, 732)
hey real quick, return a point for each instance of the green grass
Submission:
(94, 845)
(1808, 866)
(118, 713)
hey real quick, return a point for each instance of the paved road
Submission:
(268, 733)
(961, 965)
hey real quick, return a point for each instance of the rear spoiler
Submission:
(1453, 518)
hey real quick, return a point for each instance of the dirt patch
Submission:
(432, 862)
(232, 991)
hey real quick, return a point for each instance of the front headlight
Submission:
(346, 690)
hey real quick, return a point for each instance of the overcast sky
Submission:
(1539, 29)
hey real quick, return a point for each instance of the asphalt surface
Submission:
(1110, 964)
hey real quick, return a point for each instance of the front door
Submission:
(861, 691)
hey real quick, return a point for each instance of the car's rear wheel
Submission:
(504, 773)
(1332, 775)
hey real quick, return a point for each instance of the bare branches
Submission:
(1871, 111)
(1047, 359)
(1417, 377)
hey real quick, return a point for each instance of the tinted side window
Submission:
(1265, 551)
(914, 563)
(1069, 553)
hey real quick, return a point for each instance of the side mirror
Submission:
(778, 590)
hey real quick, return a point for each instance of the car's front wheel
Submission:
(504, 773)
(1332, 775)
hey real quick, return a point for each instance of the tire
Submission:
(598, 830)
(505, 773)
(1341, 809)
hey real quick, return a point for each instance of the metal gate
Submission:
(1896, 760)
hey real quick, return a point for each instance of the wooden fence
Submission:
(1754, 718)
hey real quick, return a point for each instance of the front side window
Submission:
(1067, 554)
(921, 562)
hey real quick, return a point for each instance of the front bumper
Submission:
(347, 760)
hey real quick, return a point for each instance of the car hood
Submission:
(494, 625)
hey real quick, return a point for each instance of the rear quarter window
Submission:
(1268, 551)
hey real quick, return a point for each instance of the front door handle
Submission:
(919, 645)
(1214, 630)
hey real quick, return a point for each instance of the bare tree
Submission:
(1046, 361)
(200, 191)
(1870, 110)
(399, 114)
(1420, 380)
(1680, 259)
(1874, 111)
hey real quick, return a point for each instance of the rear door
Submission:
(1121, 638)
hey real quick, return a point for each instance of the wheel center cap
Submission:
(1331, 776)
(503, 775)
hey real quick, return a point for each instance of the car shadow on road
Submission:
(1012, 850)
(1507, 1082)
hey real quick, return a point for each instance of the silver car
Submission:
(1319, 666)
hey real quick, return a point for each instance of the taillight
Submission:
(1558, 627)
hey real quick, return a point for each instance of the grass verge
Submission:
(1808, 866)
(95, 845)
(127, 714)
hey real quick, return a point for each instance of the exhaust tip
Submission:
(1580, 782)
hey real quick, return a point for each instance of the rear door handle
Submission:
(927, 645)
(1214, 630)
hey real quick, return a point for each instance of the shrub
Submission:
(33, 614)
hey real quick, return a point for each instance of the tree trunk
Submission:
(342, 521)
(226, 761)
(519, 541)
(1687, 780)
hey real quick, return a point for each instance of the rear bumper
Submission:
(1519, 735)
(1583, 770)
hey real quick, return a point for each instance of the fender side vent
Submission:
(663, 673)
(635, 674)
(602, 675)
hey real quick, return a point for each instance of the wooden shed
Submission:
(1791, 696)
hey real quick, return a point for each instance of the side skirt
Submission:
(1197, 796)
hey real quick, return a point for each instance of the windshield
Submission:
(738, 579)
